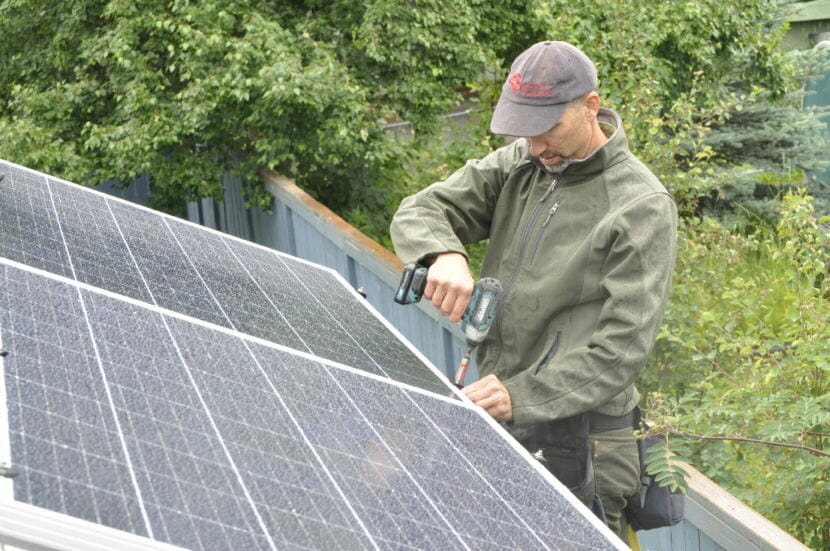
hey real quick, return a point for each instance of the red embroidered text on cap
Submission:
(529, 90)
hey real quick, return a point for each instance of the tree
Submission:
(101, 90)
(769, 146)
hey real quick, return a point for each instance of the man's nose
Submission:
(537, 146)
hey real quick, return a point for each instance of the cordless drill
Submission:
(477, 318)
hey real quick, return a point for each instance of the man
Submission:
(582, 237)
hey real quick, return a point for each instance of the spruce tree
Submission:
(767, 146)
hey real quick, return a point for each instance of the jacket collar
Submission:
(610, 153)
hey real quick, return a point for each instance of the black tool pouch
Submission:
(564, 448)
(654, 506)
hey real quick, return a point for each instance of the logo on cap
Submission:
(529, 90)
(516, 82)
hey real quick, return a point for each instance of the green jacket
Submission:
(585, 258)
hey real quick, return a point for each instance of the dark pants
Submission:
(593, 462)
(616, 464)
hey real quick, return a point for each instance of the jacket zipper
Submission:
(537, 210)
(551, 212)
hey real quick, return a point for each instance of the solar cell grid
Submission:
(270, 451)
(549, 516)
(28, 225)
(155, 258)
(393, 357)
(361, 466)
(172, 281)
(253, 280)
(94, 242)
(157, 406)
(238, 293)
(64, 442)
(191, 400)
(460, 496)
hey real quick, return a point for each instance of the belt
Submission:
(576, 428)
(599, 422)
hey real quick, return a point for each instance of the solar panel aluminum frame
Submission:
(6, 483)
(31, 528)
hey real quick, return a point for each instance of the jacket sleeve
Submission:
(447, 215)
(635, 279)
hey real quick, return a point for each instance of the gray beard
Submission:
(559, 169)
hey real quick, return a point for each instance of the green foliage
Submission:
(702, 87)
(769, 145)
(661, 463)
(741, 368)
(101, 90)
(429, 159)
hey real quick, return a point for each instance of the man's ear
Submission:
(592, 102)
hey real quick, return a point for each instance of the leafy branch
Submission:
(662, 464)
(735, 438)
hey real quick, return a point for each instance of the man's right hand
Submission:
(449, 285)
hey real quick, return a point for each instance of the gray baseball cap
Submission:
(542, 80)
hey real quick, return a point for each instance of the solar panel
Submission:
(189, 389)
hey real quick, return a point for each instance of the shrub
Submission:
(740, 376)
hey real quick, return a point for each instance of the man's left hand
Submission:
(491, 395)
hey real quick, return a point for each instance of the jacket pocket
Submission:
(550, 354)
(565, 449)
(572, 466)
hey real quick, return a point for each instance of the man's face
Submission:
(569, 139)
